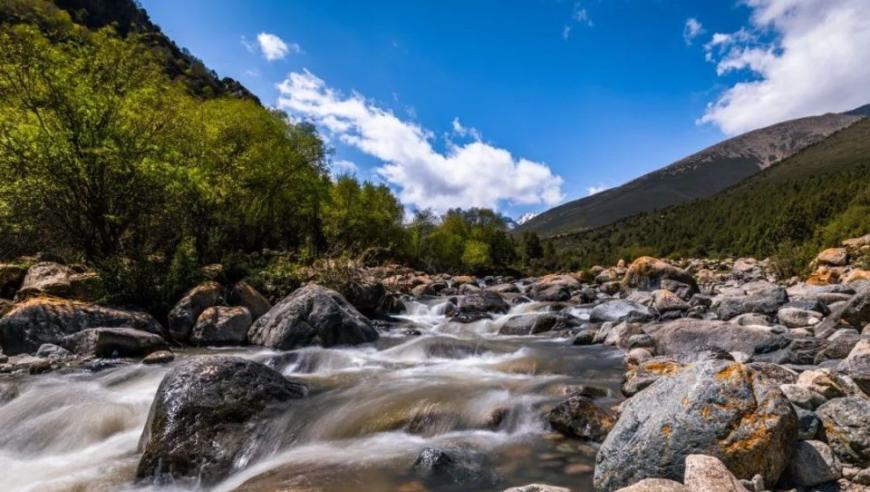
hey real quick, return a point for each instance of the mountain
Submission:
(697, 176)
(813, 199)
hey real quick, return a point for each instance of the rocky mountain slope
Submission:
(699, 175)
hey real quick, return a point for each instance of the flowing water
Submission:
(370, 411)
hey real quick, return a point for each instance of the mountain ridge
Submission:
(699, 175)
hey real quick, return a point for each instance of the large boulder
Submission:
(221, 325)
(620, 310)
(854, 312)
(812, 463)
(41, 320)
(312, 315)
(367, 296)
(578, 417)
(532, 324)
(113, 342)
(242, 294)
(184, 314)
(833, 257)
(683, 338)
(647, 273)
(206, 413)
(765, 301)
(846, 428)
(553, 288)
(714, 407)
(54, 279)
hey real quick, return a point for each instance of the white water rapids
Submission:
(370, 411)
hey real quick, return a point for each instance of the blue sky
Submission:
(594, 92)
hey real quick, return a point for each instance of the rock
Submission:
(501, 289)
(647, 273)
(578, 417)
(159, 357)
(774, 373)
(846, 428)
(682, 338)
(312, 315)
(553, 288)
(620, 310)
(793, 317)
(857, 364)
(812, 463)
(665, 300)
(839, 345)
(808, 424)
(656, 485)
(641, 340)
(854, 312)
(862, 477)
(52, 351)
(219, 325)
(242, 294)
(367, 296)
(802, 396)
(636, 356)
(537, 487)
(532, 324)
(647, 372)
(833, 257)
(765, 301)
(206, 413)
(824, 382)
(456, 467)
(714, 407)
(184, 314)
(585, 337)
(11, 276)
(618, 334)
(46, 278)
(47, 320)
(750, 319)
(114, 342)
(709, 474)
(482, 302)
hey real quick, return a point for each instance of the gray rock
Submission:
(808, 424)
(46, 278)
(749, 319)
(220, 325)
(312, 315)
(802, 396)
(159, 357)
(857, 364)
(52, 351)
(846, 428)
(242, 294)
(683, 338)
(719, 408)
(454, 467)
(854, 312)
(620, 310)
(114, 342)
(647, 372)
(665, 300)
(580, 418)
(207, 412)
(368, 296)
(618, 334)
(709, 474)
(765, 301)
(793, 317)
(839, 345)
(812, 463)
(482, 302)
(532, 324)
(825, 382)
(48, 320)
(184, 314)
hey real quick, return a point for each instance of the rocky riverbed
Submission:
(698, 375)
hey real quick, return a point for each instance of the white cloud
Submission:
(566, 32)
(816, 62)
(274, 48)
(579, 15)
(692, 30)
(475, 174)
(463, 131)
(591, 190)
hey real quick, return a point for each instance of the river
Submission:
(426, 382)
